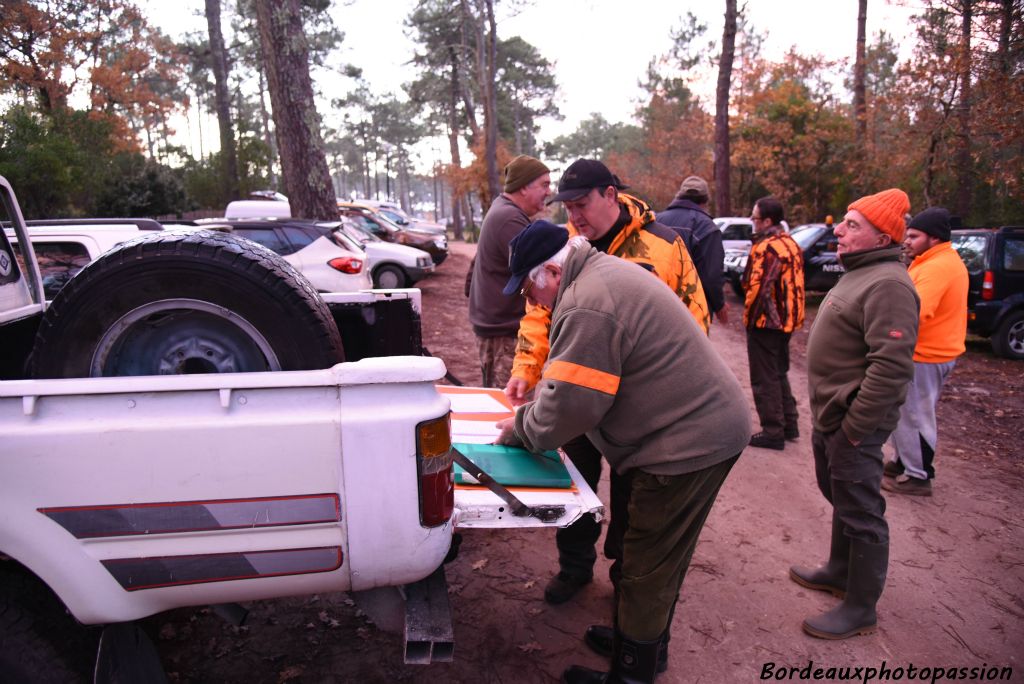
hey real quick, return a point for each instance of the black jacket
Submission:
(704, 240)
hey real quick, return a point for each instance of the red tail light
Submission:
(434, 463)
(346, 264)
(988, 287)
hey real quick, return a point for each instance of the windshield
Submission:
(359, 232)
(388, 224)
(393, 216)
(805, 236)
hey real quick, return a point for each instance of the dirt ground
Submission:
(954, 598)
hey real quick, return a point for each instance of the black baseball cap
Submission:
(538, 242)
(582, 176)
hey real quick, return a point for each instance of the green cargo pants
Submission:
(666, 515)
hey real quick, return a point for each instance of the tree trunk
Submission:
(491, 107)
(307, 180)
(453, 140)
(465, 91)
(965, 175)
(268, 140)
(1005, 25)
(723, 201)
(229, 160)
(860, 108)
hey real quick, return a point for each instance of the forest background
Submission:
(90, 92)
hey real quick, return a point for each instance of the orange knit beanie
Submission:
(886, 211)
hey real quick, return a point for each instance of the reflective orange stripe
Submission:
(583, 376)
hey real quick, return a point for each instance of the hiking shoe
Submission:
(792, 434)
(904, 484)
(892, 469)
(563, 587)
(763, 441)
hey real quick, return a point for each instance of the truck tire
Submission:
(179, 303)
(1008, 339)
(389, 277)
(39, 641)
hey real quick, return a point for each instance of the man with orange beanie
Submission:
(941, 280)
(859, 364)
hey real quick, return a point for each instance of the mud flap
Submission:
(126, 655)
(428, 621)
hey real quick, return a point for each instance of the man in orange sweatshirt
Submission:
(940, 278)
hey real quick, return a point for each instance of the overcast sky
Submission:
(600, 48)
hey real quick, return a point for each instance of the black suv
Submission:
(995, 297)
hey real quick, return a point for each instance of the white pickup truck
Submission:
(178, 428)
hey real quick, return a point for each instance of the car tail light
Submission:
(988, 287)
(346, 264)
(434, 464)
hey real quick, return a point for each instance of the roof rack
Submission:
(140, 223)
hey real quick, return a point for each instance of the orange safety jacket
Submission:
(774, 282)
(642, 241)
(941, 280)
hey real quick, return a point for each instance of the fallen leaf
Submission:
(530, 584)
(480, 564)
(531, 647)
(290, 673)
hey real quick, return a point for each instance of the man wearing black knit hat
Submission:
(941, 281)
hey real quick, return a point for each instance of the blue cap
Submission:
(538, 242)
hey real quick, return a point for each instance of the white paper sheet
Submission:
(476, 403)
(474, 431)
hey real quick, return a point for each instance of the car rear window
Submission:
(971, 249)
(298, 236)
(58, 263)
(737, 232)
(1013, 254)
(266, 237)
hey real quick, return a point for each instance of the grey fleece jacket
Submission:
(860, 352)
(630, 368)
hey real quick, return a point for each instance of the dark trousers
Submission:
(577, 542)
(768, 354)
(666, 516)
(850, 478)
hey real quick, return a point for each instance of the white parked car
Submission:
(737, 232)
(320, 251)
(391, 265)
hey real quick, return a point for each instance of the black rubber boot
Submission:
(856, 614)
(601, 640)
(563, 587)
(830, 577)
(633, 662)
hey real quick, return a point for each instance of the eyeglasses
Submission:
(524, 291)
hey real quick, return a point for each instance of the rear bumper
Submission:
(416, 273)
(983, 318)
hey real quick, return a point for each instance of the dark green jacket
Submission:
(860, 353)
(631, 368)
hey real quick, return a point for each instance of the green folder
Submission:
(514, 466)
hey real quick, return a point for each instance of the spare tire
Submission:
(177, 303)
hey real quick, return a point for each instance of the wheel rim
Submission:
(1015, 338)
(181, 337)
(388, 279)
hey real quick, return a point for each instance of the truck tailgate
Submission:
(475, 410)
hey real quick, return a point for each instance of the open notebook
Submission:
(514, 466)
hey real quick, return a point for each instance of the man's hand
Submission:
(507, 436)
(723, 314)
(516, 390)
